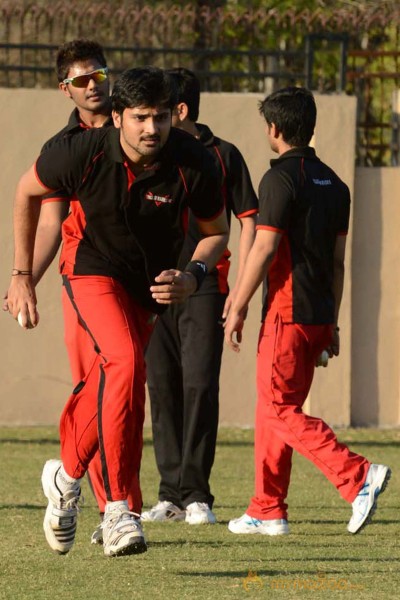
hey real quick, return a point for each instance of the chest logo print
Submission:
(158, 200)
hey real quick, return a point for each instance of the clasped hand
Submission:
(173, 286)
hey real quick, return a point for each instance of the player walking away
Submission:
(184, 354)
(130, 188)
(300, 248)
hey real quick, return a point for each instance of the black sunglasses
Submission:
(82, 81)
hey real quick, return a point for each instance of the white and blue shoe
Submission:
(247, 524)
(365, 503)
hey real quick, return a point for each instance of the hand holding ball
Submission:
(29, 324)
(322, 360)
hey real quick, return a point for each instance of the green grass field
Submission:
(319, 559)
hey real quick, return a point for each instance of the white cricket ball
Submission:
(323, 358)
(29, 324)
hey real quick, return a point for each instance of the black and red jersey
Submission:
(306, 201)
(239, 197)
(122, 226)
(74, 127)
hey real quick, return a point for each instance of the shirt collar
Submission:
(114, 151)
(74, 121)
(206, 135)
(305, 152)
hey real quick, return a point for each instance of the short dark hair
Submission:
(143, 86)
(188, 87)
(293, 111)
(77, 51)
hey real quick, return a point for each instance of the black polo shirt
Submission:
(240, 199)
(121, 226)
(305, 200)
(73, 127)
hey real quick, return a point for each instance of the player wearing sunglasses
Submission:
(83, 76)
(82, 81)
(82, 73)
(77, 62)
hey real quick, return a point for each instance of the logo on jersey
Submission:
(322, 181)
(158, 200)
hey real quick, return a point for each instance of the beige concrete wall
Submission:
(33, 365)
(375, 315)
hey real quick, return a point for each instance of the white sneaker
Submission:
(199, 513)
(122, 533)
(62, 510)
(164, 511)
(247, 524)
(365, 503)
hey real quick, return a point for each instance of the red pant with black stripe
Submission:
(285, 369)
(101, 427)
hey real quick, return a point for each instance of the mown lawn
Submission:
(317, 560)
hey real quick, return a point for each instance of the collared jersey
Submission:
(239, 197)
(122, 226)
(306, 201)
(73, 127)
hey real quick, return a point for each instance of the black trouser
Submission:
(183, 366)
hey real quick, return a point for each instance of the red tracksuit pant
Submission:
(285, 368)
(101, 428)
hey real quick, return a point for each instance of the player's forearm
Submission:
(338, 283)
(48, 235)
(27, 205)
(257, 265)
(338, 273)
(47, 242)
(209, 250)
(247, 235)
(214, 241)
(26, 216)
(256, 268)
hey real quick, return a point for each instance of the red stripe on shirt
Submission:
(247, 213)
(55, 199)
(269, 228)
(72, 231)
(280, 284)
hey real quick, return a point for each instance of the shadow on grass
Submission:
(375, 521)
(371, 443)
(187, 542)
(236, 574)
(21, 507)
(39, 441)
(260, 573)
(220, 443)
(235, 443)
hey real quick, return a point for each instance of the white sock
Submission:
(110, 506)
(64, 481)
